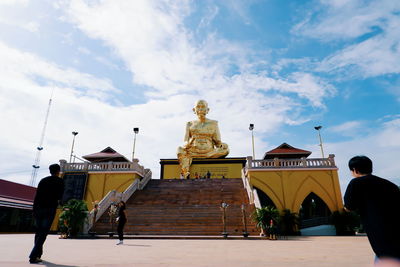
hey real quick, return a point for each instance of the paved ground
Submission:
(294, 252)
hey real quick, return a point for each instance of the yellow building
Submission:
(103, 172)
(92, 180)
(215, 168)
(287, 179)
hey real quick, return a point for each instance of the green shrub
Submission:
(289, 223)
(72, 217)
(345, 223)
(262, 216)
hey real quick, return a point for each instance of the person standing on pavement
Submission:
(48, 195)
(121, 222)
(378, 202)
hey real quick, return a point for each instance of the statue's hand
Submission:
(222, 146)
(186, 146)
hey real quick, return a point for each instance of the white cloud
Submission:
(30, 26)
(16, 63)
(14, 2)
(375, 23)
(25, 89)
(212, 12)
(373, 57)
(382, 146)
(161, 54)
(347, 19)
(151, 39)
(349, 128)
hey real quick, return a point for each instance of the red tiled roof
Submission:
(286, 151)
(107, 154)
(17, 191)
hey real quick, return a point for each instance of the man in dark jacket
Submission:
(378, 202)
(48, 194)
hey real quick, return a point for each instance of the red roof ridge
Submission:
(12, 190)
(286, 150)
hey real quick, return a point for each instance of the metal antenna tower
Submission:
(39, 148)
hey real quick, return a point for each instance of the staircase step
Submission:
(185, 207)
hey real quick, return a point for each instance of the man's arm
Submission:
(61, 192)
(351, 198)
(37, 197)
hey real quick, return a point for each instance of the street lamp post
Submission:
(136, 131)
(72, 147)
(251, 128)
(318, 128)
(223, 207)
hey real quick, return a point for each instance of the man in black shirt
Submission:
(48, 194)
(378, 202)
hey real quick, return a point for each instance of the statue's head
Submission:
(201, 108)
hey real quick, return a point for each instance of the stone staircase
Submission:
(185, 207)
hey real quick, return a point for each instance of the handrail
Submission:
(257, 202)
(247, 186)
(112, 196)
(147, 177)
(103, 205)
(251, 192)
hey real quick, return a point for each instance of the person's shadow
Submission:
(133, 245)
(50, 264)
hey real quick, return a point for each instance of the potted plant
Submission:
(72, 217)
(289, 223)
(263, 216)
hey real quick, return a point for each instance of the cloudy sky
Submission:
(285, 66)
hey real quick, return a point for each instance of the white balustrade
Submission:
(292, 163)
(102, 166)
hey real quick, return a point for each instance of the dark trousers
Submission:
(43, 220)
(120, 229)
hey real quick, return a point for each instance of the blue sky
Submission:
(285, 66)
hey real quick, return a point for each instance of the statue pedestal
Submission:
(219, 168)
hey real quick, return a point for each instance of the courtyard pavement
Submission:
(293, 252)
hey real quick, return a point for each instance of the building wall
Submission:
(289, 187)
(14, 219)
(99, 184)
(218, 168)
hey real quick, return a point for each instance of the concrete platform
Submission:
(313, 251)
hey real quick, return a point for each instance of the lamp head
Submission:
(318, 127)
(251, 127)
(136, 130)
(74, 133)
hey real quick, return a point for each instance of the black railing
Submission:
(314, 222)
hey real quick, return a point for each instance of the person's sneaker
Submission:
(120, 242)
(36, 260)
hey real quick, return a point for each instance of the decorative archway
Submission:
(308, 186)
(269, 191)
(313, 207)
(265, 200)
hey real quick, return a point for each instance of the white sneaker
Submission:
(120, 242)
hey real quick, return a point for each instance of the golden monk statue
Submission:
(202, 139)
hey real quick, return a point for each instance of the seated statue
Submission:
(202, 139)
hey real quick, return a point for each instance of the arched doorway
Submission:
(264, 198)
(314, 211)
